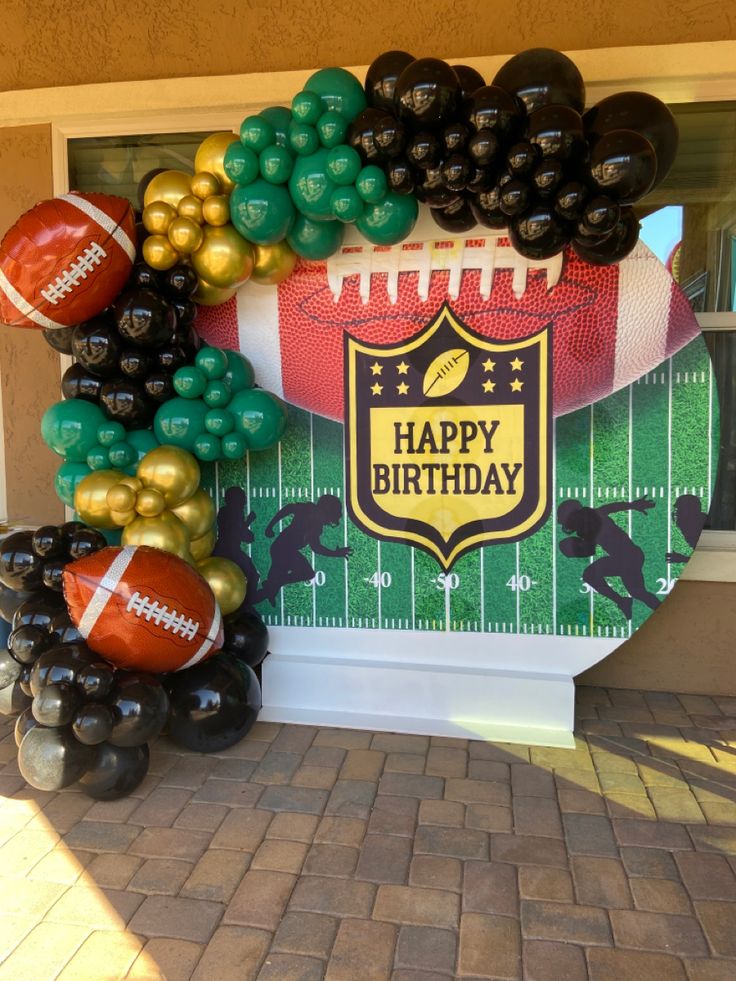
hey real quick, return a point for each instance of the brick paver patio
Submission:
(307, 853)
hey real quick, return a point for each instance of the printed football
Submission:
(65, 260)
(143, 609)
(610, 324)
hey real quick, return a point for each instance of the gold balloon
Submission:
(197, 513)
(159, 253)
(157, 217)
(191, 207)
(123, 518)
(170, 186)
(216, 209)
(225, 259)
(165, 531)
(204, 184)
(226, 580)
(210, 156)
(211, 296)
(149, 502)
(90, 498)
(172, 471)
(121, 497)
(132, 482)
(202, 547)
(185, 235)
(273, 263)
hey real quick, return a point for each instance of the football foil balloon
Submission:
(65, 260)
(143, 609)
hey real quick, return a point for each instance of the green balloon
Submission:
(178, 422)
(110, 432)
(256, 133)
(260, 417)
(189, 382)
(68, 476)
(280, 118)
(217, 394)
(240, 164)
(306, 107)
(311, 187)
(142, 440)
(219, 422)
(390, 221)
(234, 446)
(122, 455)
(339, 90)
(315, 239)
(211, 361)
(371, 184)
(343, 164)
(303, 139)
(239, 374)
(346, 204)
(276, 164)
(207, 448)
(69, 428)
(332, 128)
(113, 536)
(262, 212)
(98, 458)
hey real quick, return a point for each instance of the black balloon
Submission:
(13, 698)
(456, 172)
(599, 217)
(63, 630)
(246, 637)
(400, 176)
(172, 356)
(557, 131)
(59, 338)
(539, 233)
(40, 608)
(469, 79)
(455, 137)
(145, 277)
(114, 771)
(86, 541)
(547, 177)
(93, 724)
(486, 207)
(11, 600)
(570, 200)
(123, 401)
(10, 668)
(614, 247)
(522, 159)
(25, 680)
(145, 318)
(60, 665)
(427, 93)
(381, 78)
(140, 707)
(389, 136)
(623, 164)
(23, 723)
(213, 705)
(515, 197)
(431, 189)
(361, 134)
(135, 363)
(543, 77)
(55, 705)
(78, 383)
(457, 219)
(492, 108)
(53, 574)
(180, 282)
(51, 759)
(27, 643)
(643, 113)
(424, 150)
(159, 387)
(96, 346)
(95, 680)
(48, 542)
(20, 567)
(482, 179)
(483, 147)
(70, 528)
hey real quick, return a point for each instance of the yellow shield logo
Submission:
(448, 437)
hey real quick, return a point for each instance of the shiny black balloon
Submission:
(599, 217)
(140, 708)
(10, 668)
(63, 631)
(159, 387)
(492, 108)
(51, 759)
(85, 542)
(11, 600)
(456, 172)
(539, 233)
(55, 705)
(424, 150)
(20, 567)
(96, 680)
(123, 401)
(557, 131)
(455, 137)
(145, 277)
(483, 147)
(25, 680)
(145, 318)
(432, 191)
(23, 724)
(115, 771)
(486, 208)
(427, 93)
(457, 219)
(482, 179)
(27, 643)
(14, 698)
(246, 637)
(78, 383)
(547, 177)
(400, 176)
(171, 357)
(96, 346)
(623, 165)
(522, 159)
(93, 724)
(213, 704)
(643, 113)
(469, 79)
(381, 78)
(614, 247)
(186, 314)
(543, 77)
(60, 665)
(361, 134)
(570, 200)
(59, 338)
(515, 197)
(389, 136)
(179, 283)
(48, 542)
(40, 609)
(135, 363)
(70, 528)
(53, 574)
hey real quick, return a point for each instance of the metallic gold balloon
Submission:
(159, 253)
(204, 184)
(149, 502)
(216, 209)
(211, 296)
(197, 513)
(202, 547)
(90, 498)
(132, 482)
(191, 207)
(170, 186)
(165, 531)
(157, 217)
(185, 235)
(172, 471)
(210, 156)
(226, 580)
(121, 497)
(225, 259)
(273, 263)
(123, 518)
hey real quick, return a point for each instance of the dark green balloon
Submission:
(343, 164)
(142, 440)
(311, 187)
(219, 422)
(234, 446)
(110, 432)
(207, 448)
(280, 118)
(180, 421)
(259, 416)
(306, 107)
(316, 240)
(371, 184)
(189, 382)
(390, 221)
(98, 458)
(256, 133)
(211, 361)
(276, 164)
(332, 128)
(347, 205)
(339, 90)
(239, 374)
(303, 139)
(262, 212)
(69, 428)
(67, 477)
(240, 164)
(217, 394)
(122, 455)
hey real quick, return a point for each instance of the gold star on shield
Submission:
(376, 368)
(516, 385)
(402, 368)
(488, 365)
(516, 365)
(376, 389)
(488, 386)
(402, 388)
